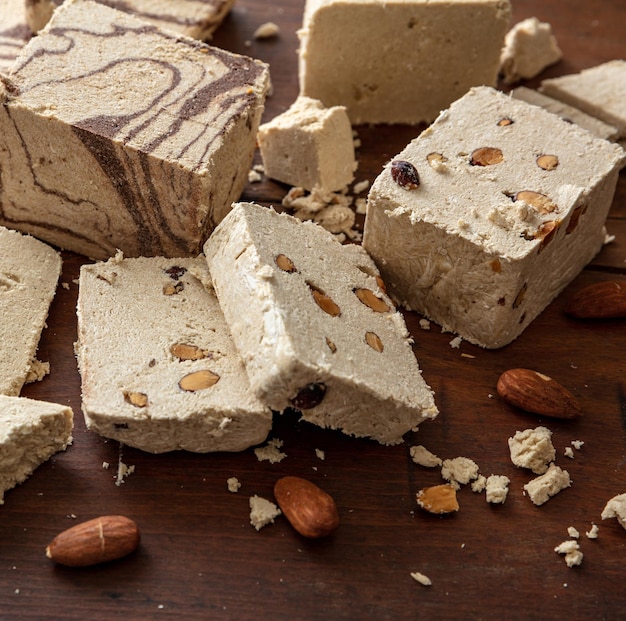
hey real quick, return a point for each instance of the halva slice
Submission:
(159, 370)
(14, 32)
(309, 145)
(314, 325)
(481, 221)
(29, 273)
(30, 433)
(115, 134)
(399, 61)
(599, 91)
(193, 18)
(567, 113)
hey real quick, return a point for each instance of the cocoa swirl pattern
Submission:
(194, 18)
(125, 136)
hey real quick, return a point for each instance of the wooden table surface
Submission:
(201, 559)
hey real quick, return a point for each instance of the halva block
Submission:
(30, 433)
(399, 61)
(482, 220)
(115, 134)
(159, 370)
(314, 326)
(14, 32)
(599, 91)
(309, 145)
(193, 18)
(29, 273)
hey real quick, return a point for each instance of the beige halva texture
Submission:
(599, 91)
(161, 127)
(158, 367)
(193, 18)
(29, 272)
(319, 333)
(529, 47)
(30, 433)
(511, 206)
(406, 61)
(309, 146)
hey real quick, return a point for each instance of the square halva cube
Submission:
(309, 146)
(115, 134)
(483, 219)
(159, 370)
(399, 61)
(314, 326)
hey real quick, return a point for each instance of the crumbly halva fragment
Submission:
(331, 210)
(271, 451)
(507, 217)
(567, 113)
(193, 18)
(459, 471)
(168, 379)
(154, 181)
(309, 146)
(423, 457)
(319, 334)
(543, 487)
(233, 484)
(599, 91)
(262, 512)
(497, 488)
(529, 47)
(386, 70)
(532, 449)
(616, 508)
(592, 533)
(571, 550)
(479, 484)
(30, 433)
(29, 273)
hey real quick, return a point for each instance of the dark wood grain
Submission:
(201, 559)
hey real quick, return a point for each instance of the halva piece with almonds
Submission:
(115, 134)
(193, 18)
(399, 61)
(30, 433)
(159, 370)
(314, 325)
(29, 273)
(481, 221)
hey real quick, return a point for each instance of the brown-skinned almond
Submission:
(537, 393)
(309, 509)
(102, 539)
(601, 300)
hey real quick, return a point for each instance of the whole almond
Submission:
(99, 540)
(309, 509)
(601, 300)
(537, 393)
